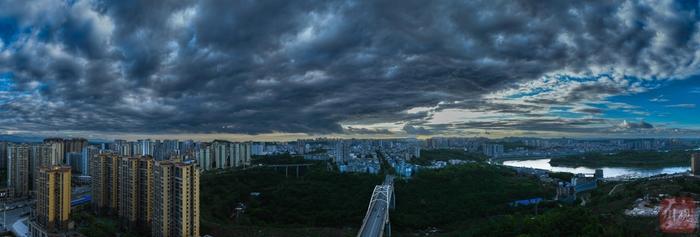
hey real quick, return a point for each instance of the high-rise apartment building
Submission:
(257, 149)
(342, 151)
(175, 199)
(3, 156)
(234, 155)
(18, 171)
(53, 197)
(74, 160)
(75, 144)
(240, 154)
(57, 150)
(492, 150)
(144, 147)
(159, 196)
(136, 191)
(39, 156)
(416, 151)
(247, 152)
(223, 155)
(171, 148)
(104, 170)
(121, 147)
(203, 158)
(220, 154)
(86, 155)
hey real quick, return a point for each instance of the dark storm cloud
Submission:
(352, 130)
(572, 126)
(486, 106)
(413, 130)
(307, 66)
(633, 125)
(589, 110)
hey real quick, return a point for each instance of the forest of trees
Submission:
(319, 198)
(445, 198)
(457, 196)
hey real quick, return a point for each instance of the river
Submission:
(608, 172)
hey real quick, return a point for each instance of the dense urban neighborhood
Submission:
(323, 186)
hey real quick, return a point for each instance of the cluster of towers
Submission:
(223, 155)
(157, 196)
(23, 161)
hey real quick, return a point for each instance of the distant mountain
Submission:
(20, 138)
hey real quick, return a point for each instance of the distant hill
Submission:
(29, 138)
(20, 138)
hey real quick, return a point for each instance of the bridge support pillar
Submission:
(387, 229)
(392, 202)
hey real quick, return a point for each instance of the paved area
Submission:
(375, 220)
(15, 212)
(20, 228)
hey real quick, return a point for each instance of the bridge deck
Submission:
(377, 216)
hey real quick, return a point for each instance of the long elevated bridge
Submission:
(376, 222)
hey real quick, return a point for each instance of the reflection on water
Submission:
(607, 171)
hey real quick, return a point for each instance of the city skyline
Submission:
(208, 70)
(380, 118)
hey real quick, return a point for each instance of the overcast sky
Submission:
(285, 69)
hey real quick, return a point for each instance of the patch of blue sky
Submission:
(6, 82)
(623, 114)
(674, 93)
(565, 112)
(559, 108)
(567, 78)
(612, 111)
(533, 92)
(11, 33)
(645, 83)
(9, 29)
(9, 90)
(6, 87)
(45, 33)
(597, 105)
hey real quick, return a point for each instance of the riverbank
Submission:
(520, 158)
(609, 172)
(634, 159)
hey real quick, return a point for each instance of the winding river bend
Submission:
(608, 172)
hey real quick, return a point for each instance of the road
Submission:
(20, 209)
(13, 214)
(613, 189)
(374, 222)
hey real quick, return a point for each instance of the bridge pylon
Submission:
(387, 229)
